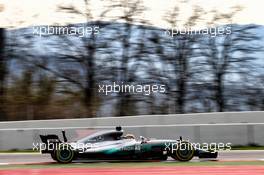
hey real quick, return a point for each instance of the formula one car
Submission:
(112, 145)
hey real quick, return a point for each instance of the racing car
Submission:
(114, 145)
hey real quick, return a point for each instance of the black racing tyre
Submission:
(183, 152)
(53, 155)
(64, 154)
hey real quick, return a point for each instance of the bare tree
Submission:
(130, 15)
(229, 53)
(75, 67)
(178, 52)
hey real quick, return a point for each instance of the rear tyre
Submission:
(53, 155)
(184, 151)
(64, 154)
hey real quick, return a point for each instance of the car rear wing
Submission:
(50, 141)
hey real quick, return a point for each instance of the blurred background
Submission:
(57, 76)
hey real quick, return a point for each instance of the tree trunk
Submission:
(219, 93)
(89, 94)
(3, 73)
(123, 105)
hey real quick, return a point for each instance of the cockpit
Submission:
(106, 135)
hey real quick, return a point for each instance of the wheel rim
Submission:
(185, 151)
(65, 155)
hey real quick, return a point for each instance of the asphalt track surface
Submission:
(25, 158)
(235, 155)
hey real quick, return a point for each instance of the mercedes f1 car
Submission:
(112, 145)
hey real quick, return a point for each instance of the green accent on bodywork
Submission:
(111, 151)
(146, 147)
(137, 148)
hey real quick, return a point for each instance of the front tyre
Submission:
(64, 154)
(184, 151)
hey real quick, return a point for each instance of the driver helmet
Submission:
(129, 136)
